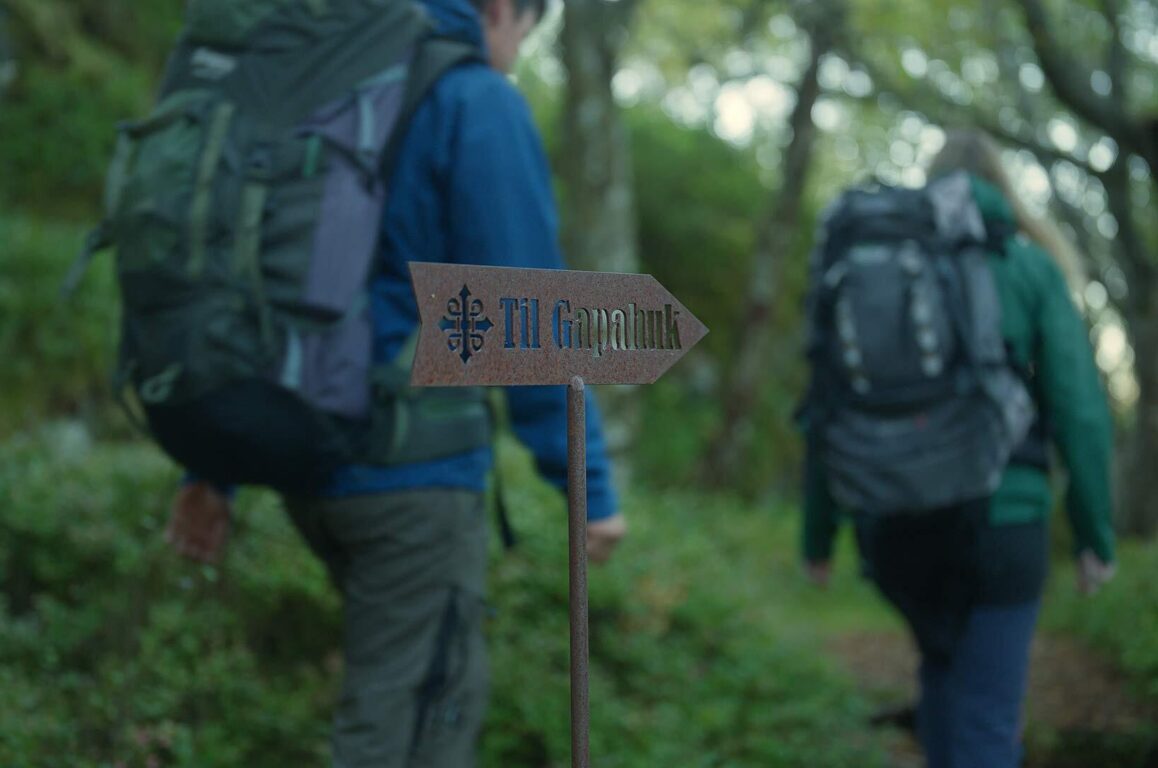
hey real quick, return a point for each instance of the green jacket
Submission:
(1045, 332)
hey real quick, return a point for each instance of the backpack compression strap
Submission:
(435, 57)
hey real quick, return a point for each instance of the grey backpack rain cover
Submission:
(913, 401)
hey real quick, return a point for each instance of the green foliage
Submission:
(114, 652)
(57, 353)
(695, 660)
(139, 33)
(1121, 621)
(83, 67)
(698, 199)
(58, 130)
(675, 34)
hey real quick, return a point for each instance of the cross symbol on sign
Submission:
(465, 324)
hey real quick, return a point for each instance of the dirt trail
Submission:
(1079, 711)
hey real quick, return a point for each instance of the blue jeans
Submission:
(970, 709)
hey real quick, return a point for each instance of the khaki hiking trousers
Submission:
(411, 567)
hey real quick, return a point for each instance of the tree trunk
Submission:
(1138, 514)
(1138, 511)
(777, 232)
(599, 231)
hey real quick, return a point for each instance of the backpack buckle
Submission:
(259, 162)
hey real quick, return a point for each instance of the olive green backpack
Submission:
(245, 211)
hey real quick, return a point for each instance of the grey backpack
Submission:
(245, 212)
(913, 401)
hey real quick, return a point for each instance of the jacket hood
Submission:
(456, 19)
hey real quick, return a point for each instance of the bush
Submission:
(113, 652)
(57, 353)
(700, 201)
(84, 65)
(1121, 621)
(692, 662)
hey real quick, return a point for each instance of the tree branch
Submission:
(940, 109)
(1117, 58)
(1095, 253)
(778, 229)
(1141, 272)
(1070, 83)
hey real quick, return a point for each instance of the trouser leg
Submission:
(970, 711)
(411, 568)
(990, 672)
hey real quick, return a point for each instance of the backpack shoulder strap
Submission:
(434, 58)
(997, 231)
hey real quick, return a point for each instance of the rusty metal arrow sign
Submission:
(505, 326)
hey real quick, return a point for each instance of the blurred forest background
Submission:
(692, 140)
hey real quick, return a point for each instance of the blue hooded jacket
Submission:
(472, 186)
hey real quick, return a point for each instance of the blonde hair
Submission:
(975, 152)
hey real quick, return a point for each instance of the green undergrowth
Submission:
(55, 352)
(115, 653)
(1121, 621)
(708, 648)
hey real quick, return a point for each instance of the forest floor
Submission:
(1079, 714)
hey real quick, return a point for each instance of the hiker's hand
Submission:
(603, 535)
(1092, 572)
(819, 572)
(199, 522)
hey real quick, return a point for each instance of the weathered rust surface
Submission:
(504, 326)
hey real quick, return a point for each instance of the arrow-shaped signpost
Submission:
(502, 326)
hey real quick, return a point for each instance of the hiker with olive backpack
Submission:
(301, 154)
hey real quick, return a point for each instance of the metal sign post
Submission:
(505, 327)
(577, 573)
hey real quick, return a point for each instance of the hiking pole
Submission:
(577, 542)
